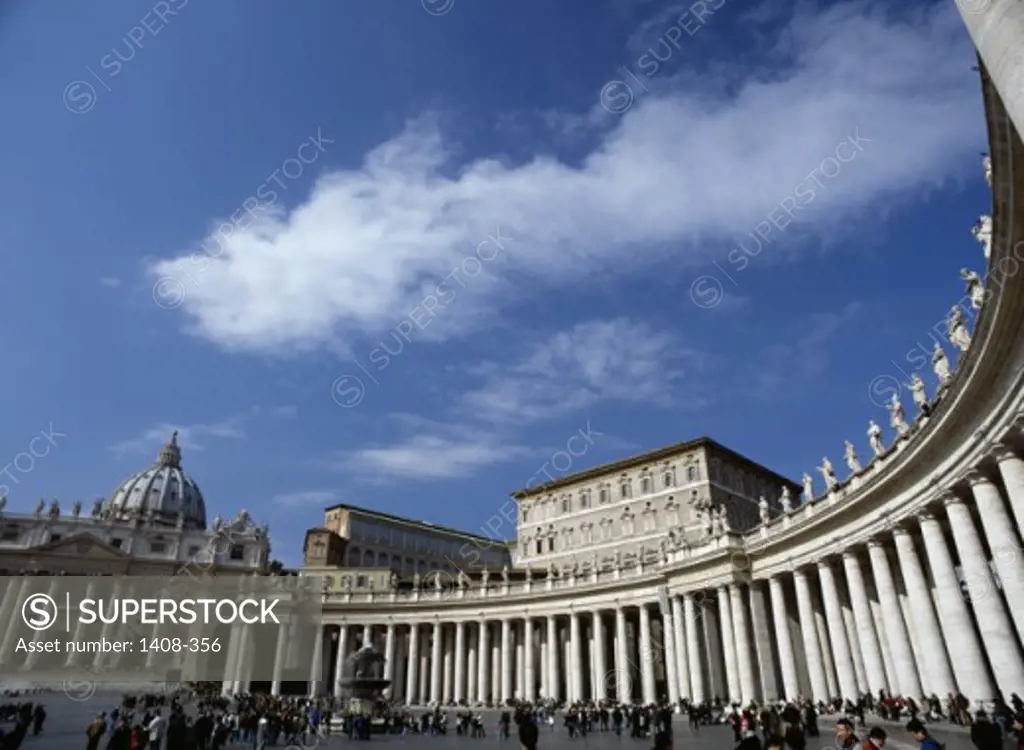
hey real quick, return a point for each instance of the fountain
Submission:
(362, 680)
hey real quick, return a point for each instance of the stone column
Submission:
(483, 679)
(712, 645)
(576, 663)
(472, 665)
(866, 636)
(964, 648)
(460, 661)
(339, 659)
(448, 665)
(389, 652)
(671, 663)
(895, 629)
(997, 632)
(412, 678)
(367, 636)
(696, 672)
(552, 650)
(506, 660)
(13, 602)
(646, 657)
(80, 628)
(530, 677)
(729, 646)
(436, 664)
(809, 631)
(1011, 467)
(837, 632)
(744, 656)
(622, 679)
(679, 637)
(600, 665)
(317, 665)
(761, 632)
(787, 659)
(519, 664)
(280, 656)
(936, 670)
(997, 29)
(1002, 541)
(424, 684)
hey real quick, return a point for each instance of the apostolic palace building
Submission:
(689, 572)
(693, 572)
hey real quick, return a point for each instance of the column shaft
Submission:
(600, 665)
(997, 632)
(576, 665)
(436, 663)
(964, 648)
(997, 29)
(1011, 467)
(506, 660)
(671, 663)
(339, 660)
(809, 631)
(896, 635)
(1004, 544)
(787, 659)
(460, 661)
(696, 670)
(483, 681)
(679, 628)
(530, 687)
(622, 680)
(761, 634)
(866, 636)
(646, 657)
(552, 649)
(936, 676)
(412, 678)
(729, 646)
(744, 655)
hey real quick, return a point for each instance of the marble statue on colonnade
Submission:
(786, 500)
(875, 438)
(957, 325)
(808, 487)
(940, 364)
(851, 458)
(828, 472)
(975, 287)
(986, 164)
(898, 416)
(982, 232)
(917, 388)
(763, 511)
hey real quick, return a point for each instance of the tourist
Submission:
(1018, 726)
(984, 734)
(845, 738)
(663, 741)
(121, 736)
(528, 734)
(876, 739)
(155, 728)
(920, 734)
(94, 732)
(38, 719)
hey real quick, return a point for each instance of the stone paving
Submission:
(68, 717)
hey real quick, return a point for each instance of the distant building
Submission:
(616, 513)
(153, 523)
(353, 537)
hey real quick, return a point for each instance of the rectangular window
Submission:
(157, 547)
(237, 552)
(116, 543)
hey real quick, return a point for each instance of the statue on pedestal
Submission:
(529, 574)
(97, 508)
(917, 388)
(808, 488)
(786, 500)
(437, 582)
(986, 165)
(975, 287)
(723, 517)
(897, 416)
(940, 364)
(504, 573)
(54, 509)
(76, 509)
(417, 581)
(763, 511)
(957, 325)
(875, 438)
(982, 232)
(40, 507)
(828, 473)
(851, 458)
(485, 576)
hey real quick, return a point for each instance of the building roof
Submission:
(624, 464)
(424, 525)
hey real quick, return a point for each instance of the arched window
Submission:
(625, 488)
(645, 484)
(603, 495)
(692, 474)
(526, 515)
(566, 504)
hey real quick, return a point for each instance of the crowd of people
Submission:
(206, 720)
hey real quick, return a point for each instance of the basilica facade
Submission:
(671, 576)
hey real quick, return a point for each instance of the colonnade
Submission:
(933, 604)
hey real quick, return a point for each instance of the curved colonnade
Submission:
(907, 577)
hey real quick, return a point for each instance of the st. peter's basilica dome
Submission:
(162, 494)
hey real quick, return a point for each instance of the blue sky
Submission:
(216, 214)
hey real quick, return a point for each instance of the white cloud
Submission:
(444, 453)
(190, 437)
(597, 361)
(695, 166)
(307, 497)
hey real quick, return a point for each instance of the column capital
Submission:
(925, 515)
(899, 530)
(974, 477)
(877, 541)
(850, 553)
(949, 499)
(1003, 452)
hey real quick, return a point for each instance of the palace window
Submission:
(55, 537)
(566, 504)
(540, 546)
(157, 547)
(585, 499)
(645, 485)
(625, 489)
(526, 515)
(603, 495)
(691, 474)
(551, 544)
